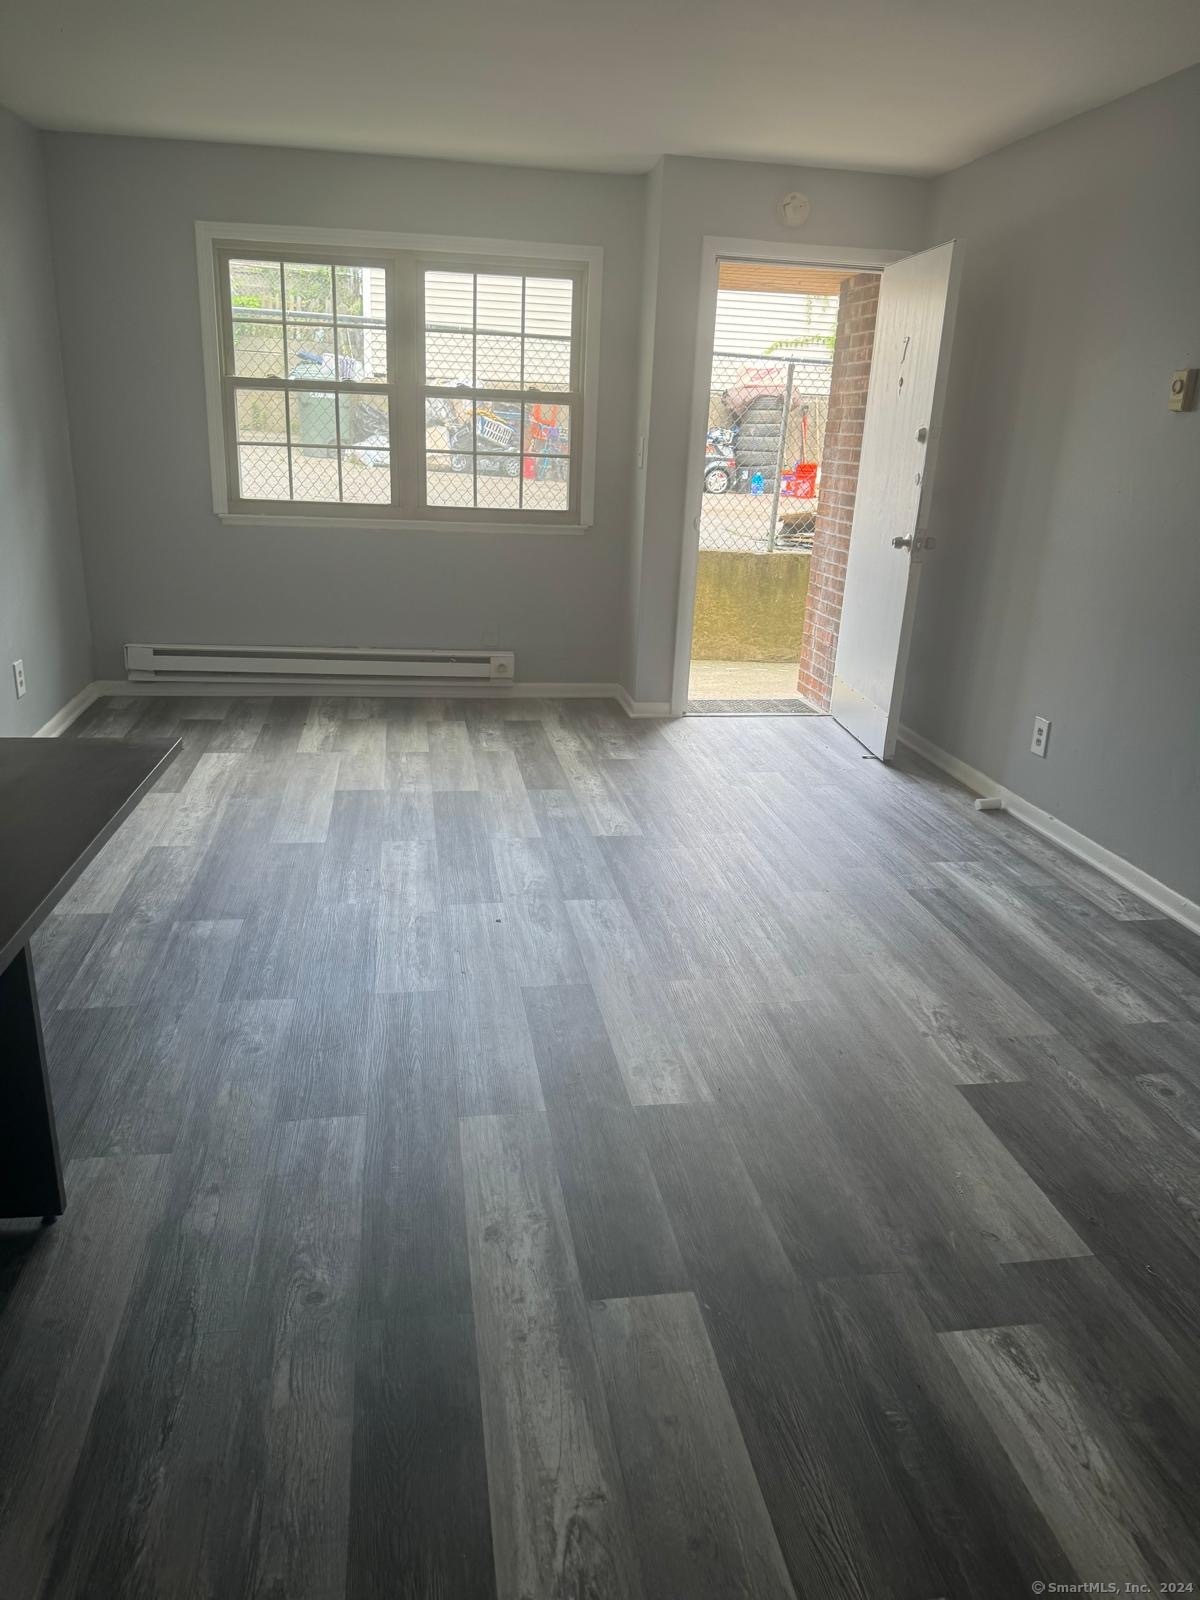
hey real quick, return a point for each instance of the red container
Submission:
(801, 482)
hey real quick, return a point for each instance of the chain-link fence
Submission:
(766, 431)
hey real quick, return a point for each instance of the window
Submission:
(500, 352)
(402, 386)
(306, 381)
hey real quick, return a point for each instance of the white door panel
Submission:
(891, 509)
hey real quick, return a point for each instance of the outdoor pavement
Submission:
(743, 521)
(743, 680)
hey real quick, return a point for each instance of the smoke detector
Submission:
(793, 210)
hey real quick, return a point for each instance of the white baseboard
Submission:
(325, 688)
(641, 708)
(63, 719)
(1165, 899)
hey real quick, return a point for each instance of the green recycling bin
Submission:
(314, 422)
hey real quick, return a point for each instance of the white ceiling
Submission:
(891, 85)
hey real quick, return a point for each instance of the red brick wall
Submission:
(839, 479)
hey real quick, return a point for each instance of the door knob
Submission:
(902, 542)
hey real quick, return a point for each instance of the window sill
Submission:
(255, 520)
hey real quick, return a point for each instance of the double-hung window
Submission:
(418, 386)
(307, 381)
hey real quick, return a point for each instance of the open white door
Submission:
(895, 480)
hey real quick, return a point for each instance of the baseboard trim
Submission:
(1163, 898)
(62, 720)
(641, 708)
(416, 691)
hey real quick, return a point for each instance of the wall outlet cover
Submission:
(1041, 735)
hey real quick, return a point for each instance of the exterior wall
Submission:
(749, 606)
(839, 482)
(43, 605)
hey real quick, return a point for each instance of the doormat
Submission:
(752, 708)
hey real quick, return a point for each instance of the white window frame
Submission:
(409, 252)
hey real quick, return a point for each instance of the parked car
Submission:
(720, 473)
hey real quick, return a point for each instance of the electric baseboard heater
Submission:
(260, 663)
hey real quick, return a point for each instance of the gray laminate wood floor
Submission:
(517, 1151)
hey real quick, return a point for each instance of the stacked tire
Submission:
(757, 447)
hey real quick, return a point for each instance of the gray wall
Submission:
(1067, 581)
(651, 242)
(161, 567)
(43, 608)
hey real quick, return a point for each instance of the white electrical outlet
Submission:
(19, 677)
(1041, 735)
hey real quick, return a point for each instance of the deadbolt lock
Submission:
(922, 435)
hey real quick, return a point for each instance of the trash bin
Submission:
(314, 422)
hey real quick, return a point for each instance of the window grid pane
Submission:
(497, 361)
(366, 477)
(449, 479)
(496, 331)
(261, 416)
(258, 349)
(360, 315)
(498, 483)
(315, 474)
(304, 322)
(336, 445)
(263, 472)
(313, 416)
(547, 429)
(545, 483)
(497, 427)
(488, 334)
(256, 289)
(310, 351)
(528, 446)
(308, 289)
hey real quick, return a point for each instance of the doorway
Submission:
(791, 351)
